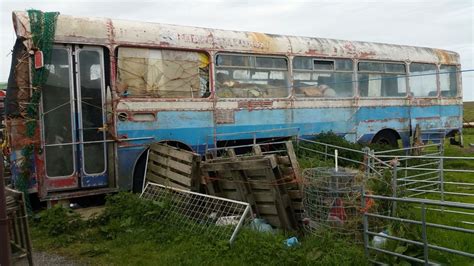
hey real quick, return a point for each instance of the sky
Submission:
(438, 24)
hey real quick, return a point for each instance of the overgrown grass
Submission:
(131, 232)
(468, 111)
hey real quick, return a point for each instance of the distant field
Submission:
(3, 85)
(468, 111)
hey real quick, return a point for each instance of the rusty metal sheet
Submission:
(120, 32)
(224, 116)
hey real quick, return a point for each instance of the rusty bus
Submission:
(116, 86)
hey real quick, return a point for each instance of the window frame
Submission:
(253, 63)
(458, 81)
(437, 66)
(210, 72)
(72, 115)
(406, 76)
(82, 143)
(313, 70)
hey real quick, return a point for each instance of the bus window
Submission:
(448, 81)
(248, 76)
(423, 80)
(377, 79)
(163, 73)
(57, 121)
(322, 78)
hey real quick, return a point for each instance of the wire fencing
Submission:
(416, 203)
(218, 217)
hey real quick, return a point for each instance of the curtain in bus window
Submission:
(163, 73)
(423, 80)
(387, 80)
(448, 81)
(57, 113)
(375, 85)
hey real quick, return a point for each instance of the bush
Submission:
(58, 220)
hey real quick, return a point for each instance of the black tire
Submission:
(138, 174)
(386, 138)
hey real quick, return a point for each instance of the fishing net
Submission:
(43, 26)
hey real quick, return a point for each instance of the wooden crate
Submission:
(253, 179)
(173, 167)
(289, 168)
(17, 220)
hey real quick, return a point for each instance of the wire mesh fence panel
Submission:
(332, 200)
(217, 217)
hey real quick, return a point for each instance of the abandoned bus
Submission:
(113, 87)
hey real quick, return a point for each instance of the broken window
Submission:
(377, 79)
(322, 78)
(248, 76)
(448, 81)
(163, 73)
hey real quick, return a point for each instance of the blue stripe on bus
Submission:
(195, 128)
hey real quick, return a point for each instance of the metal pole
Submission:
(5, 251)
(365, 224)
(423, 234)
(394, 185)
(441, 172)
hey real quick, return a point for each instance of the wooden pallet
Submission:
(288, 165)
(19, 230)
(253, 179)
(173, 167)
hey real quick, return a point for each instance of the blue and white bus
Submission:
(116, 86)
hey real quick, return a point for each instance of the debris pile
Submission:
(267, 177)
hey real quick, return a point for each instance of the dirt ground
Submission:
(47, 259)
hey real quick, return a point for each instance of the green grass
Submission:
(125, 236)
(138, 236)
(468, 111)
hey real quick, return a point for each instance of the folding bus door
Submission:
(91, 116)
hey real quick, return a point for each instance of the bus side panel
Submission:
(451, 116)
(436, 118)
(128, 155)
(286, 122)
(371, 120)
(192, 128)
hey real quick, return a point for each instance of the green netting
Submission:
(43, 26)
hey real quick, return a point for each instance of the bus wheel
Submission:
(138, 173)
(387, 138)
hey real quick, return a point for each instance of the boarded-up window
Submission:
(163, 73)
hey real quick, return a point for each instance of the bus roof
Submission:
(112, 33)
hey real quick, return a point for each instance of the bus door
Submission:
(91, 131)
(72, 117)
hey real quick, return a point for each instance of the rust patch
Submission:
(314, 52)
(443, 56)
(255, 104)
(367, 54)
